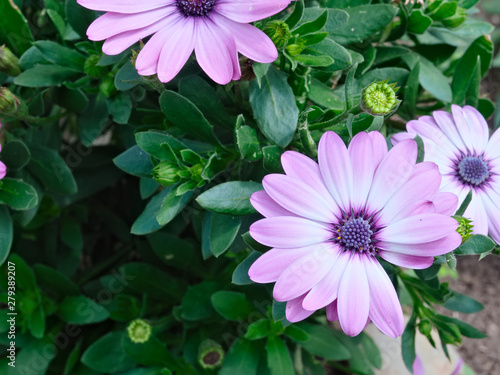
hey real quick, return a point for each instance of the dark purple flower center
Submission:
(356, 234)
(473, 170)
(195, 8)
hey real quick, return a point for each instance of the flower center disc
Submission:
(473, 170)
(195, 8)
(355, 234)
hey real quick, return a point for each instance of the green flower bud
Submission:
(210, 355)
(196, 172)
(295, 49)
(107, 86)
(465, 227)
(425, 327)
(279, 32)
(92, 69)
(9, 63)
(139, 331)
(10, 105)
(166, 173)
(379, 98)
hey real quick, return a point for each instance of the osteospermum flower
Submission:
(215, 29)
(329, 224)
(458, 143)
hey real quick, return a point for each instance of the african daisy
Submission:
(458, 143)
(329, 224)
(215, 29)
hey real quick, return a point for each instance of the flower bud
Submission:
(92, 69)
(107, 86)
(9, 63)
(295, 49)
(165, 173)
(279, 32)
(379, 98)
(465, 227)
(139, 331)
(210, 355)
(9, 104)
(425, 327)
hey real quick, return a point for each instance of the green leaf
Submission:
(154, 141)
(230, 198)
(231, 305)
(107, 354)
(51, 170)
(248, 143)
(296, 15)
(14, 29)
(223, 231)
(272, 159)
(421, 149)
(242, 358)
(362, 24)
(465, 329)
(6, 233)
(119, 107)
(15, 155)
(296, 333)
(324, 96)
(135, 162)
(349, 87)
(371, 350)
(71, 234)
(323, 342)
(342, 59)
(45, 75)
(93, 120)
(481, 47)
(411, 90)
(408, 343)
(184, 114)
(148, 279)
(418, 22)
(54, 283)
(196, 303)
(17, 194)
(124, 308)
(81, 310)
(274, 107)
(147, 222)
(476, 244)
(172, 205)
(462, 303)
(278, 311)
(472, 94)
(60, 55)
(151, 353)
(278, 357)
(179, 253)
(312, 26)
(127, 77)
(79, 18)
(240, 274)
(258, 330)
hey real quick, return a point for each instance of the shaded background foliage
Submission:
(98, 242)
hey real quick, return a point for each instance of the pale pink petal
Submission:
(418, 366)
(379, 145)
(433, 248)
(111, 24)
(124, 6)
(464, 129)
(300, 167)
(446, 203)
(393, 171)
(176, 50)
(493, 148)
(361, 154)
(298, 197)
(385, 308)
(270, 265)
(493, 213)
(332, 313)
(289, 232)
(479, 128)
(120, 42)
(212, 52)
(294, 311)
(246, 11)
(458, 367)
(336, 168)
(476, 212)
(325, 291)
(447, 124)
(407, 261)
(354, 296)
(398, 137)
(304, 273)
(266, 205)
(250, 41)
(3, 170)
(418, 229)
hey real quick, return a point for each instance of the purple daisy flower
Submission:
(329, 223)
(458, 143)
(215, 29)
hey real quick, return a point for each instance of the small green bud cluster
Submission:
(465, 227)
(9, 63)
(380, 98)
(139, 331)
(10, 105)
(279, 32)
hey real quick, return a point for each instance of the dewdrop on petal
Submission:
(379, 98)
(139, 331)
